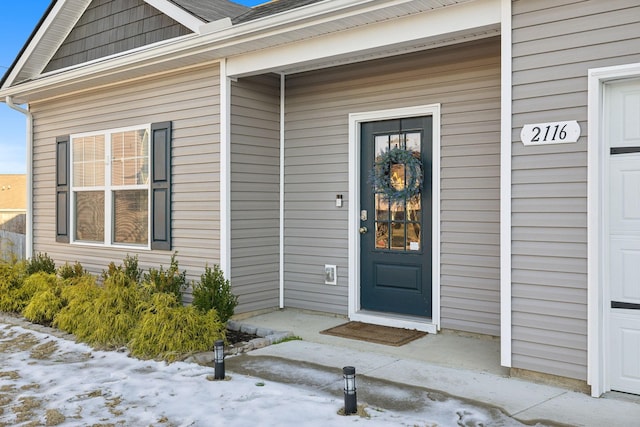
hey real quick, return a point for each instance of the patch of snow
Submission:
(92, 387)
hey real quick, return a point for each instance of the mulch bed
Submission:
(235, 337)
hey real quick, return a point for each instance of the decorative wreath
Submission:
(394, 188)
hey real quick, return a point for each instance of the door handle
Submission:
(363, 230)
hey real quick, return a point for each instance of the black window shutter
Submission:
(161, 186)
(62, 189)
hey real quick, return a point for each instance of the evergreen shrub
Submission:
(43, 307)
(170, 281)
(68, 271)
(169, 330)
(12, 275)
(129, 267)
(41, 262)
(78, 300)
(214, 292)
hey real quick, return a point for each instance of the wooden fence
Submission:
(12, 243)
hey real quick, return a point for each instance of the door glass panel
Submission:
(398, 224)
(382, 235)
(413, 236)
(397, 211)
(397, 236)
(414, 210)
(397, 176)
(382, 208)
(395, 141)
(382, 144)
(413, 141)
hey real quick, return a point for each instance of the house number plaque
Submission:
(550, 133)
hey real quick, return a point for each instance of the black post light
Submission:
(218, 359)
(350, 399)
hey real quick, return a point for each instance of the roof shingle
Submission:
(271, 8)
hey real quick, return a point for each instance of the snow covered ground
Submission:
(45, 380)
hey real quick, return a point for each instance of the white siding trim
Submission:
(177, 13)
(505, 187)
(355, 312)
(596, 330)
(469, 16)
(282, 140)
(225, 171)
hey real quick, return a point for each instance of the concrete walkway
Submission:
(454, 364)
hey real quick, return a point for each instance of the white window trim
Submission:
(597, 364)
(108, 215)
(355, 313)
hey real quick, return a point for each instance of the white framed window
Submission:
(110, 187)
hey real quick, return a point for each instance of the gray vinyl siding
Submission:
(465, 79)
(108, 27)
(255, 192)
(190, 100)
(554, 44)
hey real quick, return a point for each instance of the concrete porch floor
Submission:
(447, 348)
(465, 366)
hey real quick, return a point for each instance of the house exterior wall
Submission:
(465, 79)
(190, 100)
(255, 192)
(110, 27)
(554, 45)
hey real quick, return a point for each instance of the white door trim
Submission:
(596, 269)
(355, 312)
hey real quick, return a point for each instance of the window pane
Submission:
(130, 210)
(382, 235)
(413, 236)
(88, 161)
(413, 141)
(398, 241)
(130, 158)
(382, 144)
(382, 208)
(89, 216)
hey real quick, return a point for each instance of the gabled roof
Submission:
(280, 37)
(271, 8)
(62, 15)
(210, 11)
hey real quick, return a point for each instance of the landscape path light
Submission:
(350, 399)
(218, 359)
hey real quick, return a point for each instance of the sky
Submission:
(17, 21)
(54, 381)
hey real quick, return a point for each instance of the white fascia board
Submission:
(425, 25)
(291, 18)
(177, 13)
(45, 28)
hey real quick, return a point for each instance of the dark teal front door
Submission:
(395, 236)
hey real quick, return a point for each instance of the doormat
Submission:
(374, 333)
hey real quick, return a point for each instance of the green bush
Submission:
(41, 263)
(12, 276)
(129, 267)
(43, 307)
(214, 292)
(78, 299)
(109, 320)
(68, 271)
(168, 330)
(18, 297)
(170, 281)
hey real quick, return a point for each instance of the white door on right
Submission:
(622, 312)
